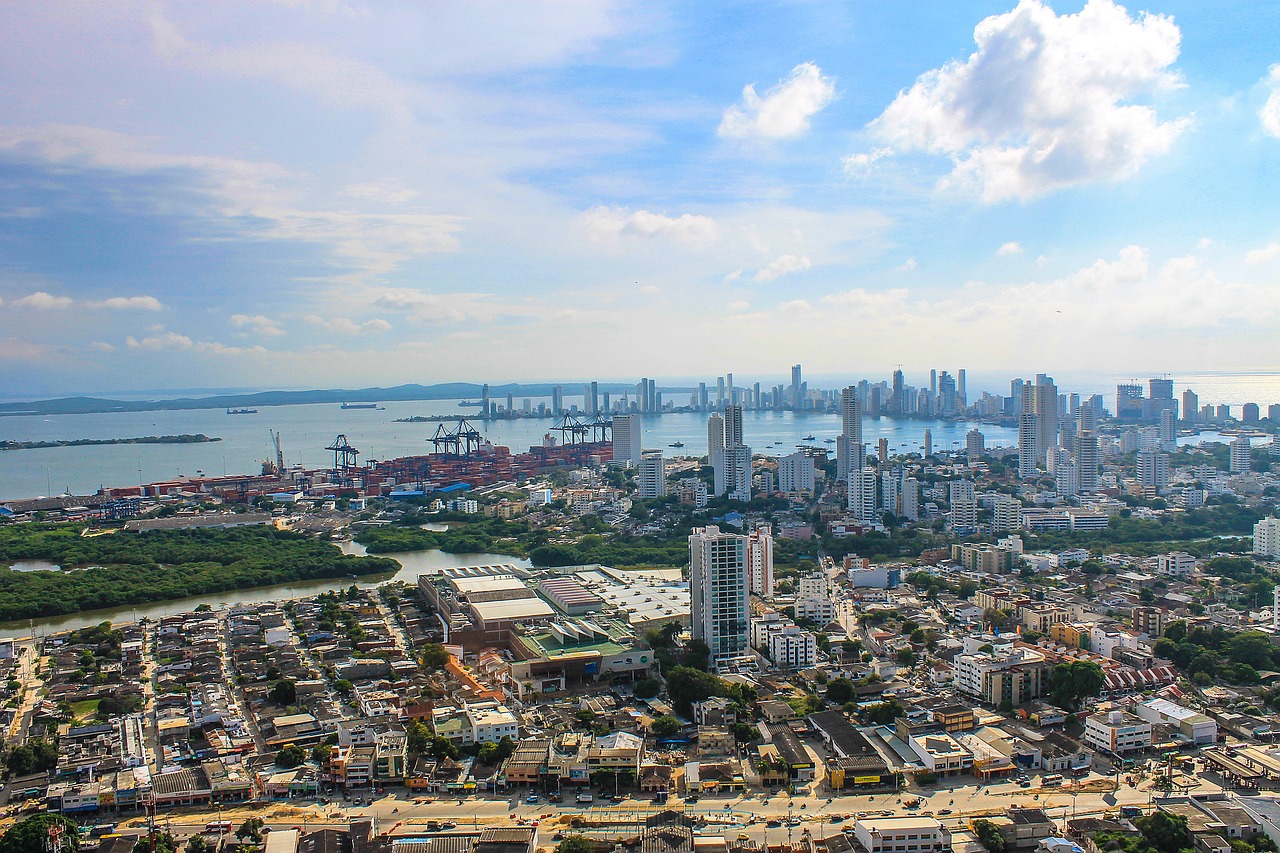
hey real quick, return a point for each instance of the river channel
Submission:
(412, 565)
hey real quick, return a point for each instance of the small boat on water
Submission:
(829, 440)
(676, 444)
(809, 437)
(242, 411)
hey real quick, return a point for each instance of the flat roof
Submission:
(516, 608)
(486, 584)
(918, 822)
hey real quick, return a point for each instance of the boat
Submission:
(676, 444)
(359, 405)
(809, 437)
(465, 404)
(242, 411)
(829, 440)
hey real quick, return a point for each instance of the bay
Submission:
(306, 430)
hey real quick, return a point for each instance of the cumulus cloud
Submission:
(784, 110)
(783, 265)
(161, 341)
(1267, 253)
(906, 266)
(348, 326)
(1013, 247)
(45, 301)
(257, 324)
(738, 306)
(1270, 112)
(610, 222)
(1045, 101)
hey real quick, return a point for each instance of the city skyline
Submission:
(372, 192)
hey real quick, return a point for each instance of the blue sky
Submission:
(340, 193)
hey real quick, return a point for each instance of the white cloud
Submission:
(1045, 102)
(1011, 248)
(785, 109)
(424, 307)
(610, 222)
(103, 346)
(906, 266)
(257, 324)
(162, 341)
(860, 164)
(738, 306)
(733, 276)
(125, 303)
(347, 326)
(1270, 112)
(44, 301)
(783, 265)
(1267, 253)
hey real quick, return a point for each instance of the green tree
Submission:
(575, 844)
(320, 753)
(284, 692)
(434, 656)
(197, 844)
(1166, 832)
(30, 835)
(442, 748)
(988, 835)
(665, 726)
(291, 755)
(840, 690)
(647, 688)
(251, 830)
(487, 754)
(906, 657)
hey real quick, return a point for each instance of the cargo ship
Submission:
(242, 411)
(360, 406)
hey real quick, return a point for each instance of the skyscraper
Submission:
(760, 562)
(928, 442)
(796, 473)
(1168, 430)
(1027, 430)
(898, 402)
(1128, 401)
(1045, 397)
(715, 437)
(718, 593)
(736, 472)
(732, 426)
(557, 400)
(796, 383)
(1086, 459)
(627, 439)
(1190, 406)
(849, 442)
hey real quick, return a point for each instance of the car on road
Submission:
(772, 824)
(584, 797)
(944, 812)
(531, 800)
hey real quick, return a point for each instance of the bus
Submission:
(221, 827)
(1052, 780)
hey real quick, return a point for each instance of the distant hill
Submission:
(443, 391)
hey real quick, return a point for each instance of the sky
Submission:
(335, 193)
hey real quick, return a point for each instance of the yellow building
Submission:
(1070, 634)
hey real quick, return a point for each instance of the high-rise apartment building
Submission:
(1086, 460)
(718, 586)
(715, 437)
(652, 479)
(732, 426)
(1129, 401)
(1168, 430)
(1241, 454)
(975, 444)
(760, 562)
(1266, 543)
(862, 495)
(627, 439)
(849, 442)
(733, 478)
(1045, 397)
(796, 473)
(1153, 469)
(1026, 441)
(557, 401)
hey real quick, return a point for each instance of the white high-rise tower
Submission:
(718, 593)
